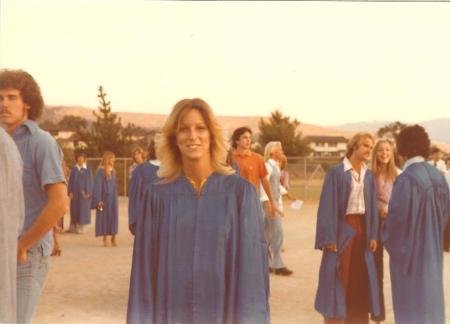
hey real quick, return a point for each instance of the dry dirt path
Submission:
(89, 283)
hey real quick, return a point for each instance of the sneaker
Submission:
(283, 272)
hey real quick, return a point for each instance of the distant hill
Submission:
(155, 121)
(372, 126)
(438, 129)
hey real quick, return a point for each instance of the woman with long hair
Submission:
(385, 171)
(199, 253)
(138, 156)
(104, 200)
(143, 176)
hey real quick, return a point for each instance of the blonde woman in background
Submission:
(138, 157)
(199, 254)
(385, 171)
(104, 200)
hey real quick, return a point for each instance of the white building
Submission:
(327, 146)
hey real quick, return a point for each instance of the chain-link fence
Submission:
(306, 175)
(121, 166)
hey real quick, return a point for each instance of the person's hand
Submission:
(22, 256)
(70, 195)
(100, 206)
(132, 228)
(86, 195)
(373, 245)
(280, 212)
(383, 212)
(331, 248)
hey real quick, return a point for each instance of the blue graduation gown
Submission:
(142, 177)
(200, 259)
(107, 221)
(80, 208)
(413, 237)
(332, 229)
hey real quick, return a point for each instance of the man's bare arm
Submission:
(56, 207)
(266, 185)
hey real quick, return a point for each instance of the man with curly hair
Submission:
(45, 191)
(413, 233)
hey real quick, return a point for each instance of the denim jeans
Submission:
(30, 281)
(274, 236)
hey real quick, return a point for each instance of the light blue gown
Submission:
(413, 237)
(200, 259)
(80, 208)
(143, 176)
(107, 220)
(332, 229)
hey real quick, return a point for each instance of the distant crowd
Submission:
(206, 214)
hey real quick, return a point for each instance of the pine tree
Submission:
(106, 132)
(281, 128)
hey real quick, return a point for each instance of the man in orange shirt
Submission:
(251, 164)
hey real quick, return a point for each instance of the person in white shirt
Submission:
(273, 153)
(436, 160)
(447, 163)
(347, 232)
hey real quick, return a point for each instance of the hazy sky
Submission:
(322, 62)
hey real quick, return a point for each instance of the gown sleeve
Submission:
(398, 229)
(89, 182)
(97, 194)
(252, 291)
(141, 297)
(134, 197)
(327, 215)
(71, 181)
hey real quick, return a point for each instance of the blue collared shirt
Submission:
(42, 159)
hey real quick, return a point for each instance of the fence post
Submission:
(125, 178)
(305, 177)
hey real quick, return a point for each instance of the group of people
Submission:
(100, 194)
(362, 211)
(208, 221)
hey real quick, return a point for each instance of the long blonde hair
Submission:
(168, 152)
(391, 169)
(103, 164)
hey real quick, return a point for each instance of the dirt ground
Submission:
(89, 283)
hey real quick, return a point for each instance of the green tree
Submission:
(106, 133)
(136, 135)
(391, 130)
(47, 125)
(281, 128)
(73, 123)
